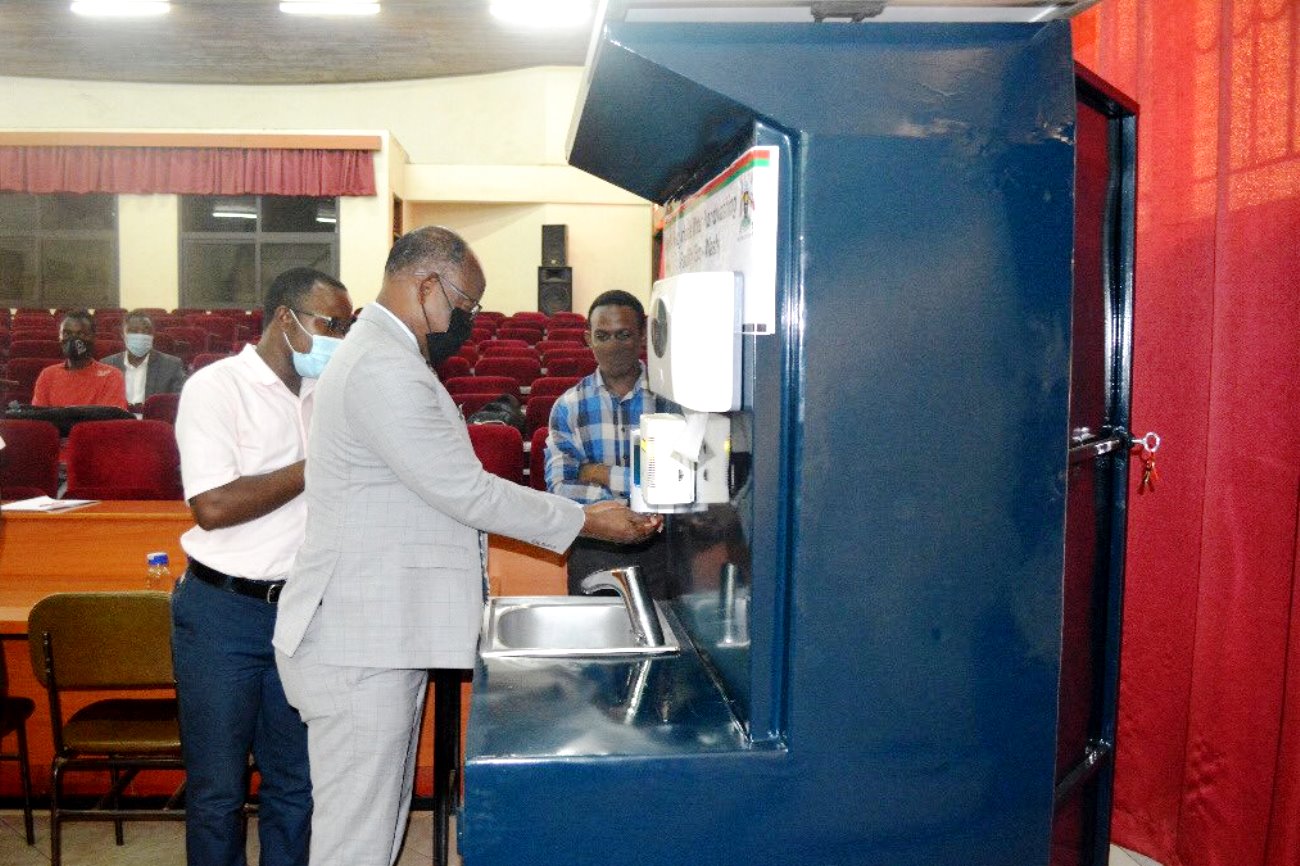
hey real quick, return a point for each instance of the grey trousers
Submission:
(363, 725)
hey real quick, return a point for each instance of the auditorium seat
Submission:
(529, 335)
(29, 462)
(49, 349)
(564, 319)
(522, 369)
(23, 372)
(552, 386)
(104, 348)
(537, 412)
(222, 331)
(482, 385)
(471, 402)
(571, 367)
(497, 349)
(566, 335)
(488, 345)
(453, 367)
(545, 346)
(27, 332)
(123, 460)
(161, 407)
(500, 448)
(203, 359)
(537, 458)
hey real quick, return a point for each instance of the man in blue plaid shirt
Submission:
(589, 449)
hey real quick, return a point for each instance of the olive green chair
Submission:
(86, 642)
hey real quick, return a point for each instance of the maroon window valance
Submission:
(191, 170)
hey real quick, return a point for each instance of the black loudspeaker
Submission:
(554, 288)
(555, 246)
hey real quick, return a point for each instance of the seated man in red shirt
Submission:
(80, 380)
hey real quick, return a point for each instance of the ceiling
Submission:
(252, 42)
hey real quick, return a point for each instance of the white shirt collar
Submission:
(400, 324)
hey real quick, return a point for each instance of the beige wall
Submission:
(608, 246)
(448, 143)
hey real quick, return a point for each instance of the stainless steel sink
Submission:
(565, 627)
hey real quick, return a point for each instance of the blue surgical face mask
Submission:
(139, 345)
(311, 364)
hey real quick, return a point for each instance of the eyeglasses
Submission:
(474, 306)
(336, 326)
(622, 336)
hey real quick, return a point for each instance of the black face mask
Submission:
(76, 349)
(443, 346)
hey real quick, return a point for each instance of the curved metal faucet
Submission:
(626, 581)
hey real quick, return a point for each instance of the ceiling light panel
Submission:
(120, 8)
(330, 7)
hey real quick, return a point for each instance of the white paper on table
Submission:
(46, 504)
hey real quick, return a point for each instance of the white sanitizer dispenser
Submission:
(661, 475)
(694, 352)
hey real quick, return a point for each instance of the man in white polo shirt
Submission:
(242, 429)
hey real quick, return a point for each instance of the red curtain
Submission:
(200, 171)
(1208, 768)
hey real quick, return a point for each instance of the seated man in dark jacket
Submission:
(147, 370)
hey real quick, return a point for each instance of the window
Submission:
(58, 250)
(232, 247)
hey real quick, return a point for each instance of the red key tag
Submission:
(1146, 448)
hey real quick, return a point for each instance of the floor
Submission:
(162, 844)
(159, 843)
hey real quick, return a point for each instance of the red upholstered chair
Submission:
(564, 319)
(104, 348)
(482, 385)
(23, 371)
(500, 448)
(552, 386)
(537, 458)
(545, 346)
(529, 335)
(488, 345)
(203, 359)
(469, 353)
(50, 332)
(479, 335)
(571, 367)
(161, 407)
(123, 460)
(522, 370)
(490, 316)
(30, 459)
(497, 349)
(48, 349)
(566, 335)
(164, 343)
(537, 412)
(188, 342)
(453, 367)
(222, 331)
(471, 402)
(566, 350)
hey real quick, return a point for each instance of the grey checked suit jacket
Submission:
(396, 500)
(166, 373)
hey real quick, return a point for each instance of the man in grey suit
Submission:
(147, 370)
(390, 579)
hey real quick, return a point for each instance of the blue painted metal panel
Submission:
(909, 426)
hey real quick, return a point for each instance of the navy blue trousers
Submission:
(231, 705)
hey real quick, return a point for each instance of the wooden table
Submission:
(103, 547)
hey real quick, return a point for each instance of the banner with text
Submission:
(730, 224)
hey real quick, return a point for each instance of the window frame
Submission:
(38, 236)
(257, 239)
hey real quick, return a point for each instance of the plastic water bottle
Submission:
(160, 573)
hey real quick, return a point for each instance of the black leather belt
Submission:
(264, 590)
